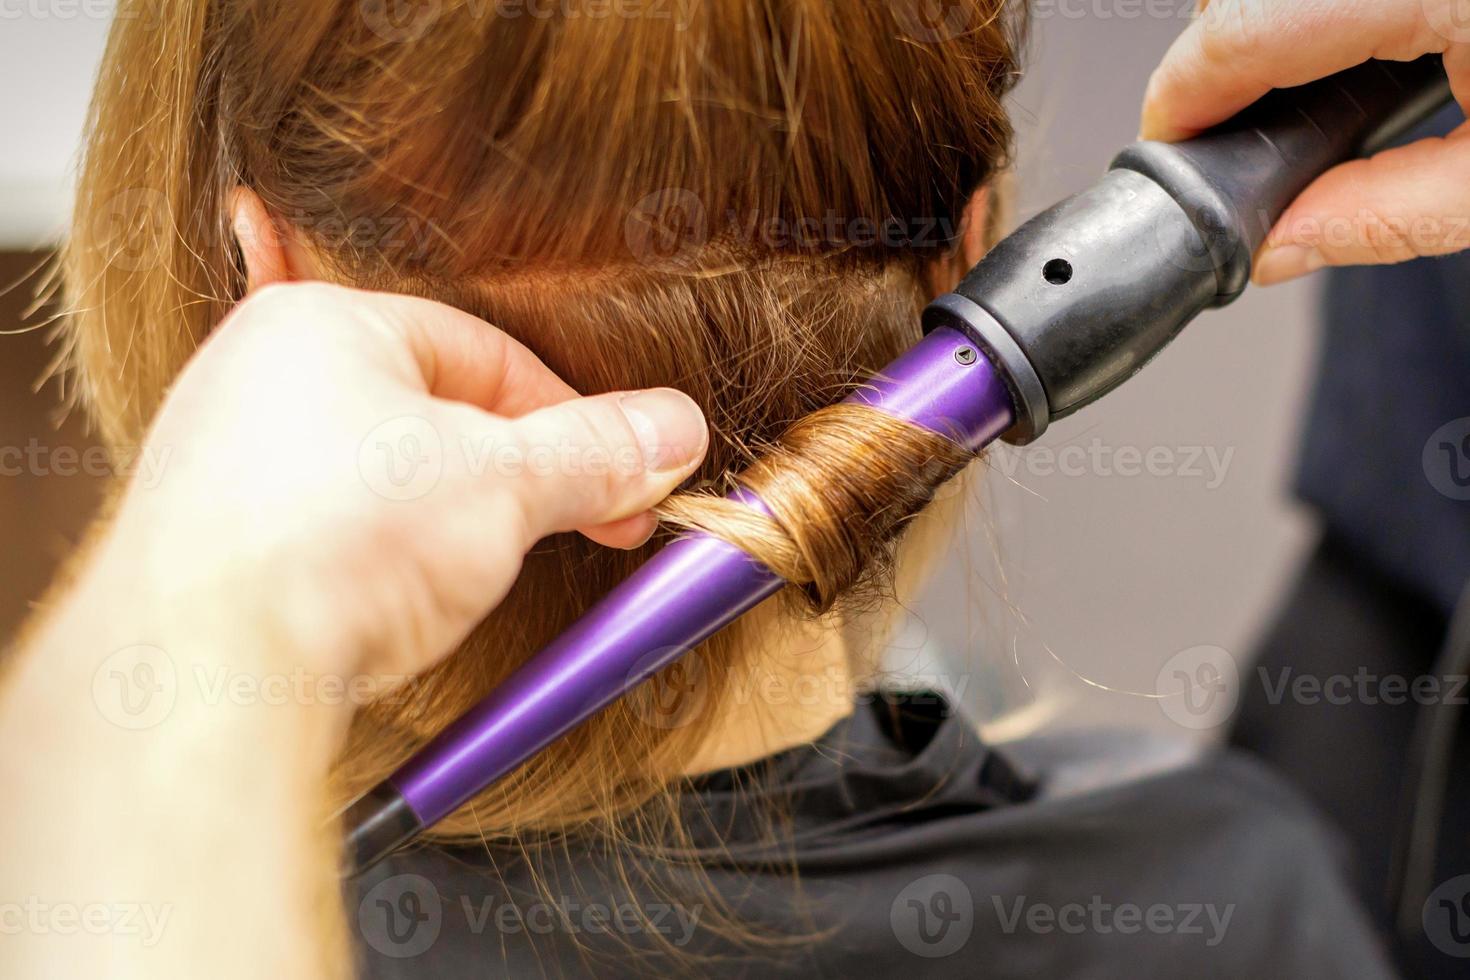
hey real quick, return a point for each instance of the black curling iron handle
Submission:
(1240, 177)
(1078, 299)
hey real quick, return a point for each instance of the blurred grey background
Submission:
(1155, 523)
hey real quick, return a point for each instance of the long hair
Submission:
(739, 198)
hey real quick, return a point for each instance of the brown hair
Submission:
(741, 199)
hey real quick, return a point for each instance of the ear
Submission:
(975, 229)
(974, 242)
(271, 249)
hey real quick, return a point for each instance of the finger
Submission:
(1238, 50)
(628, 533)
(1402, 204)
(594, 461)
(462, 358)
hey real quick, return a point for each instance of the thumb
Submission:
(595, 461)
(1402, 204)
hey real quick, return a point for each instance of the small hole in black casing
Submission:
(1058, 272)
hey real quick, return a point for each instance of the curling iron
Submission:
(1061, 312)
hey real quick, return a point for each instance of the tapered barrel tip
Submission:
(376, 825)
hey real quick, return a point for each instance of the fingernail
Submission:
(669, 426)
(1154, 124)
(1150, 129)
(1148, 119)
(652, 530)
(1285, 262)
(1146, 124)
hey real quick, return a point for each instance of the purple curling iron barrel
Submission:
(1057, 315)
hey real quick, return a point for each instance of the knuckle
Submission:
(514, 500)
(605, 459)
(1385, 237)
(606, 450)
(264, 305)
(288, 295)
(284, 308)
(516, 512)
(1229, 30)
(1237, 38)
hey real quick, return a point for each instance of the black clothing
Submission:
(1385, 460)
(921, 853)
(1345, 619)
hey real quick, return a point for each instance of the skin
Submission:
(1402, 204)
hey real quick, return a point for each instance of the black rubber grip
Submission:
(376, 825)
(1078, 299)
(1236, 180)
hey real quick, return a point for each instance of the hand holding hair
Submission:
(1401, 204)
(349, 482)
(386, 461)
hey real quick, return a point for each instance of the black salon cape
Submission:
(921, 854)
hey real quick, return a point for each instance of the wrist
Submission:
(161, 644)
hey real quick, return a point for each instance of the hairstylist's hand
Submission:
(362, 473)
(1402, 204)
